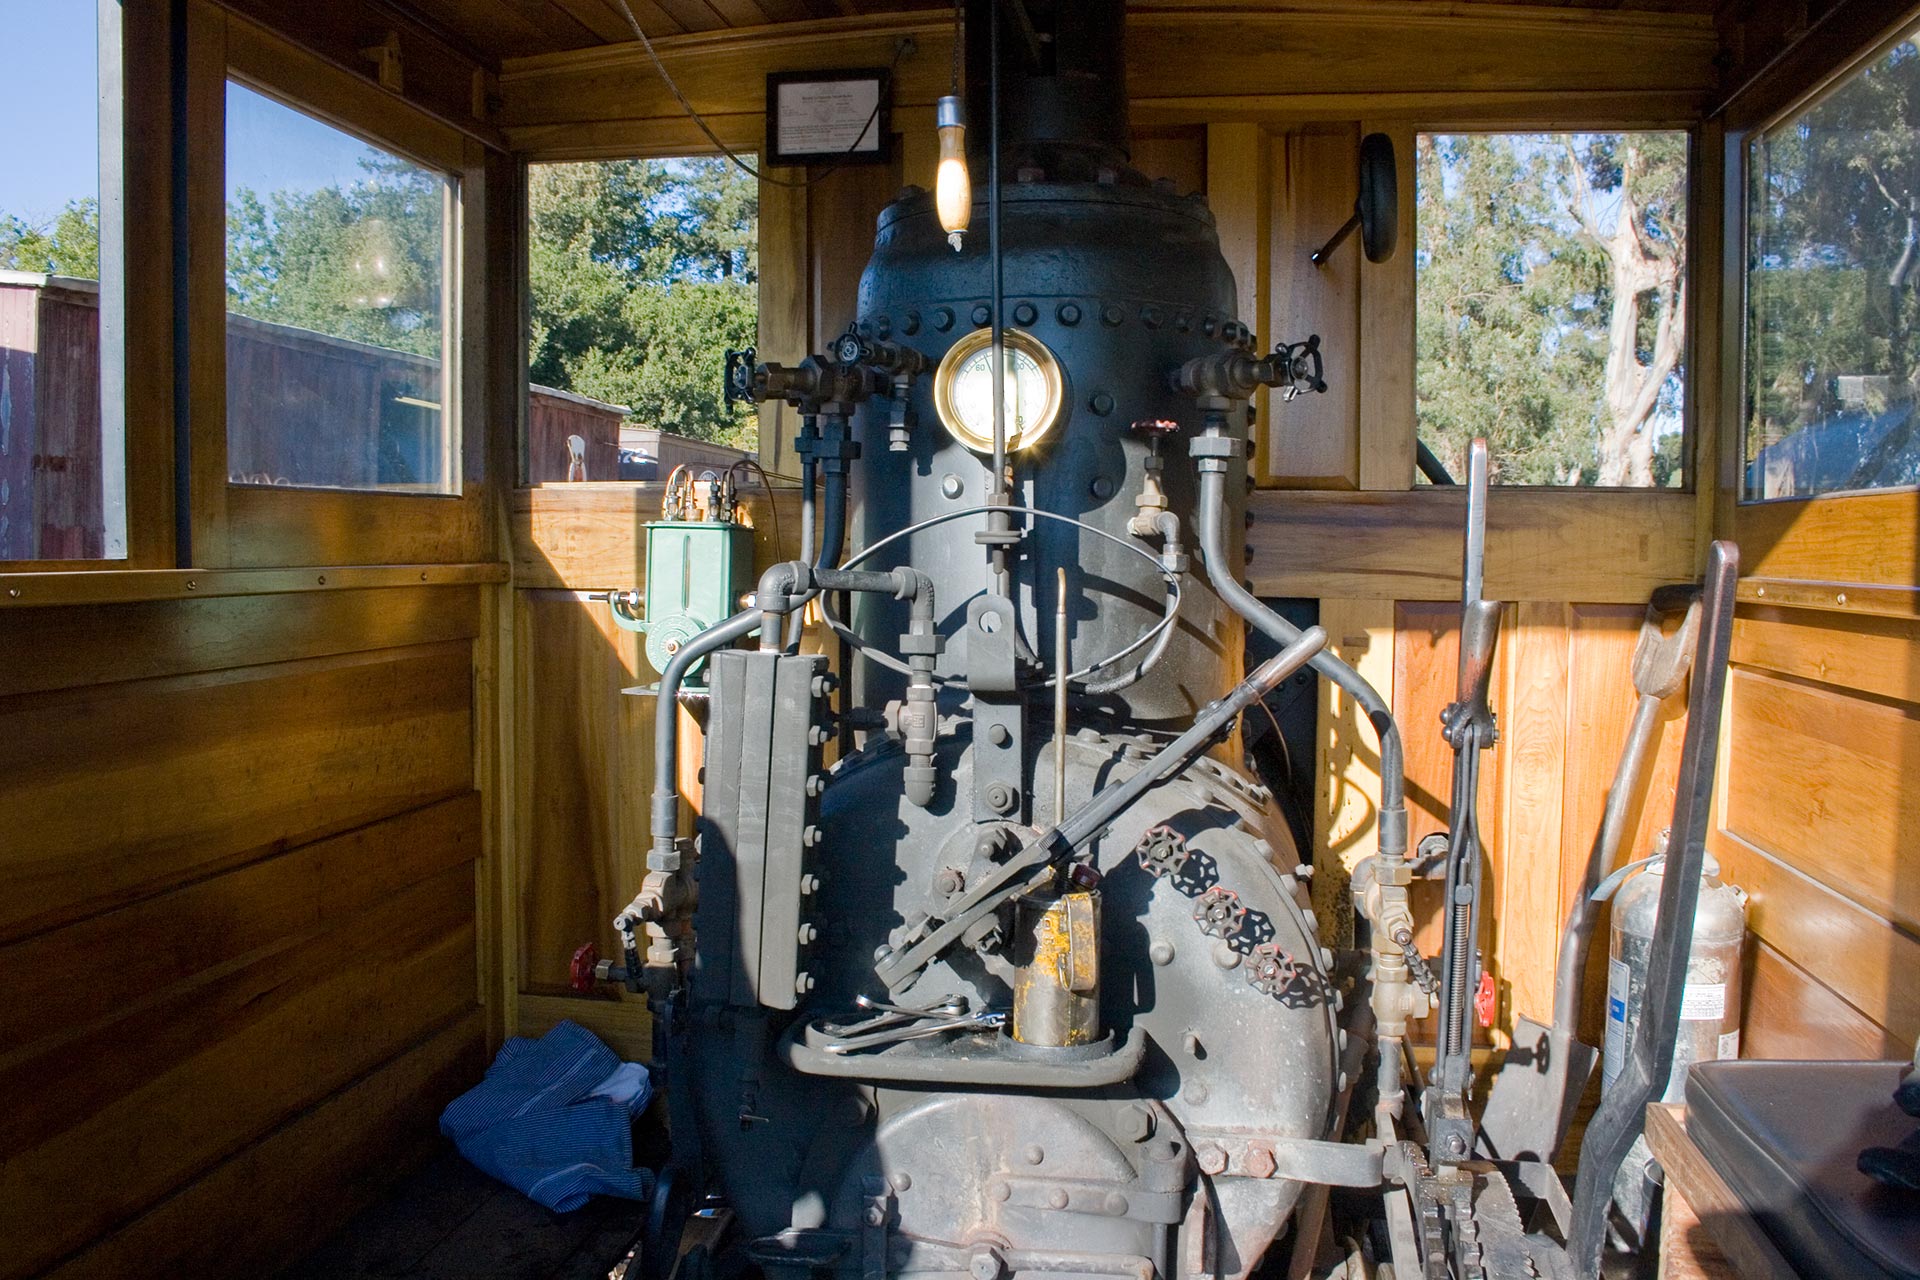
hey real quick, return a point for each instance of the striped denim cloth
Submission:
(554, 1119)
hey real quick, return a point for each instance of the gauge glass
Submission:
(1026, 393)
(963, 390)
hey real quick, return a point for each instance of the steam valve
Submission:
(587, 968)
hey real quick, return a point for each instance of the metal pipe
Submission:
(1062, 664)
(666, 797)
(1393, 804)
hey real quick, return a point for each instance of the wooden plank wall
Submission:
(237, 904)
(1816, 816)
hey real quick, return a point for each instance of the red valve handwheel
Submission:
(1486, 1000)
(580, 970)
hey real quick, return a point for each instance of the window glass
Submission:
(1551, 301)
(62, 463)
(338, 315)
(1833, 289)
(642, 273)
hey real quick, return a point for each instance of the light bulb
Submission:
(952, 188)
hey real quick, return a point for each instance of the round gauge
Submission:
(963, 390)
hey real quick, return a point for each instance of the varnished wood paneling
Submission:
(1790, 1014)
(591, 537)
(1347, 758)
(1820, 779)
(258, 1210)
(164, 1094)
(1871, 538)
(116, 791)
(585, 771)
(1536, 739)
(62, 648)
(1542, 544)
(199, 930)
(1877, 656)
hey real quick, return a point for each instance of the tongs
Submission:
(892, 1023)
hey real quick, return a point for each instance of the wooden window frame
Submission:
(244, 526)
(1845, 552)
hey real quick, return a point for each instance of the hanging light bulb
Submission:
(952, 188)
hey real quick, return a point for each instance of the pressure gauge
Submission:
(963, 390)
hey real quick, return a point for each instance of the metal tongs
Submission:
(893, 1023)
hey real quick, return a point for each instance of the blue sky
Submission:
(51, 97)
(48, 101)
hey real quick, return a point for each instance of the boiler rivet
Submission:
(1025, 313)
(1161, 953)
(943, 318)
(910, 323)
(1152, 316)
(1068, 314)
(1102, 403)
(981, 314)
(902, 1182)
(998, 735)
(1000, 1191)
(1057, 1198)
(1116, 1204)
(1111, 315)
(1224, 955)
(952, 486)
(1035, 1154)
(1101, 488)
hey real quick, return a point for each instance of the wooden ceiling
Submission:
(498, 30)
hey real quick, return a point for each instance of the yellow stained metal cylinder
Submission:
(1056, 989)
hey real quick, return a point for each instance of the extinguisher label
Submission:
(1703, 1002)
(1614, 1055)
(1729, 1046)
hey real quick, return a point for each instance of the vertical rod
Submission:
(997, 520)
(1061, 667)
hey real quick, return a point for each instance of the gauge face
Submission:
(963, 390)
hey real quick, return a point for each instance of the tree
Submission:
(69, 245)
(1550, 309)
(642, 273)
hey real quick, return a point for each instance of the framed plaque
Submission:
(829, 117)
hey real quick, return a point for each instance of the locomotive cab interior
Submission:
(1107, 635)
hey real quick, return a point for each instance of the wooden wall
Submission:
(247, 775)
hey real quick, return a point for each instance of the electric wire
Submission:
(901, 49)
(766, 483)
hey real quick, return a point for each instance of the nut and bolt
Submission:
(984, 1263)
(999, 797)
(876, 1216)
(1260, 1162)
(1135, 1123)
(1212, 1160)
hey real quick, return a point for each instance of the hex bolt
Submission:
(1456, 1145)
(1213, 1160)
(949, 881)
(808, 934)
(1135, 1123)
(876, 1216)
(984, 1263)
(803, 984)
(1259, 1162)
(809, 885)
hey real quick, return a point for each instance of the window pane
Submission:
(642, 273)
(1551, 299)
(337, 308)
(1833, 266)
(62, 465)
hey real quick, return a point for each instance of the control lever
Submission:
(1469, 727)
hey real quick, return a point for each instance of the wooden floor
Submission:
(452, 1222)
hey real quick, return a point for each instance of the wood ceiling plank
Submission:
(495, 26)
(605, 18)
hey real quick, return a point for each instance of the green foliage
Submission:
(1516, 296)
(67, 246)
(642, 274)
(1833, 206)
(360, 261)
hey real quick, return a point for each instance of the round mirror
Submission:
(1378, 207)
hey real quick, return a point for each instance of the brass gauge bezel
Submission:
(1015, 340)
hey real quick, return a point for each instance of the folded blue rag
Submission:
(554, 1119)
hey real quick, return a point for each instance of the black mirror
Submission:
(1376, 212)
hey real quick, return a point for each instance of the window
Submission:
(1833, 288)
(642, 274)
(1551, 304)
(62, 458)
(339, 308)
